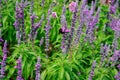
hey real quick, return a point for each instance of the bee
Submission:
(64, 30)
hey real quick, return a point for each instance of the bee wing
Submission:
(67, 30)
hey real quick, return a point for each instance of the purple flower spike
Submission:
(92, 71)
(118, 66)
(115, 57)
(35, 26)
(64, 27)
(3, 63)
(37, 66)
(41, 41)
(104, 50)
(93, 6)
(19, 67)
(73, 23)
(47, 30)
(112, 10)
(113, 6)
(43, 1)
(117, 77)
(115, 24)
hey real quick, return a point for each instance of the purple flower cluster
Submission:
(93, 6)
(19, 23)
(73, 22)
(81, 22)
(47, 29)
(41, 41)
(19, 67)
(43, 1)
(117, 77)
(118, 66)
(90, 21)
(38, 69)
(113, 6)
(92, 71)
(54, 14)
(35, 26)
(72, 6)
(64, 27)
(115, 42)
(104, 52)
(115, 24)
(3, 63)
(115, 57)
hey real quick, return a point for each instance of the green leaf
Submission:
(67, 76)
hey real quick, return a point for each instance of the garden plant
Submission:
(59, 39)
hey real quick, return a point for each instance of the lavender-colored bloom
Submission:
(19, 67)
(84, 2)
(115, 57)
(37, 66)
(118, 66)
(16, 23)
(74, 17)
(90, 25)
(104, 50)
(72, 6)
(112, 10)
(117, 77)
(43, 1)
(113, 6)
(54, 14)
(19, 23)
(35, 26)
(93, 6)
(115, 42)
(47, 29)
(92, 70)
(115, 24)
(39, 24)
(81, 22)
(41, 41)
(62, 30)
(22, 5)
(3, 63)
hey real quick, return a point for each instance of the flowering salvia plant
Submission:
(59, 40)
